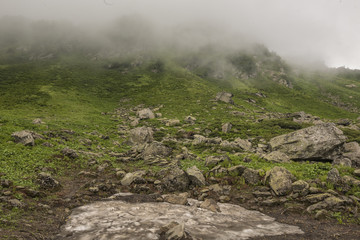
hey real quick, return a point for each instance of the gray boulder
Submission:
(156, 149)
(333, 176)
(280, 180)
(145, 113)
(251, 176)
(141, 135)
(180, 199)
(46, 181)
(176, 179)
(24, 137)
(195, 176)
(351, 151)
(312, 143)
(134, 177)
(224, 97)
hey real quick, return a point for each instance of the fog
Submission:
(301, 30)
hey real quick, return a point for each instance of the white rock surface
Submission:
(123, 220)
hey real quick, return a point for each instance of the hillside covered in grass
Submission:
(80, 101)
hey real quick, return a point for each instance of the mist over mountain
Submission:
(302, 31)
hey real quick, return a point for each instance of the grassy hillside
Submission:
(81, 101)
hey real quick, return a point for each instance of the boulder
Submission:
(176, 179)
(277, 157)
(37, 121)
(251, 176)
(134, 177)
(145, 113)
(226, 127)
(46, 181)
(224, 97)
(24, 137)
(351, 151)
(301, 187)
(280, 180)
(180, 199)
(174, 231)
(141, 135)
(195, 176)
(312, 143)
(342, 162)
(156, 149)
(70, 153)
(333, 176)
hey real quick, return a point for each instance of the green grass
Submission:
(72, 92)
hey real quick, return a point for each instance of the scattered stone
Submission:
(46, 181)
(134, 177)
(141, 135)
(5, 183)
(174, 231)
(180, 199)
(156, 149)
(251, 176)
(300, 187)
(37, 121)
(277, 157)
(316, 142)
(263, 194)
(357, 172)
(173, 122)
(224, 199)
(120, 174)
(350, 180)
(195, 176)
(321, 214)
(215, 160)
(351, 151)
(334, 176)
(317, 197)
(316, 206)
(224, 97)
(94, 189)
(237, 170)
(69, 153)
(344, 122)
(210, 204)
(16, 203)
(190, 119)
(87, 174)
(145, 113)
(24, 137)
(315, 190)
(135, 122)
(280, 180)
(333, 202)
(226, 127)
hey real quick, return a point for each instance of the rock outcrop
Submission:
(24, 137)
(224, 97)
(313, 143)
(141, 135)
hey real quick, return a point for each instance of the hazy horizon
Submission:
(309, 31)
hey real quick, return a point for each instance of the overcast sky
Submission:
(324, 29)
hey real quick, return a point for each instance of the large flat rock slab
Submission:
(124, 220)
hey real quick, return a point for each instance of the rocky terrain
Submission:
(83, 129)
